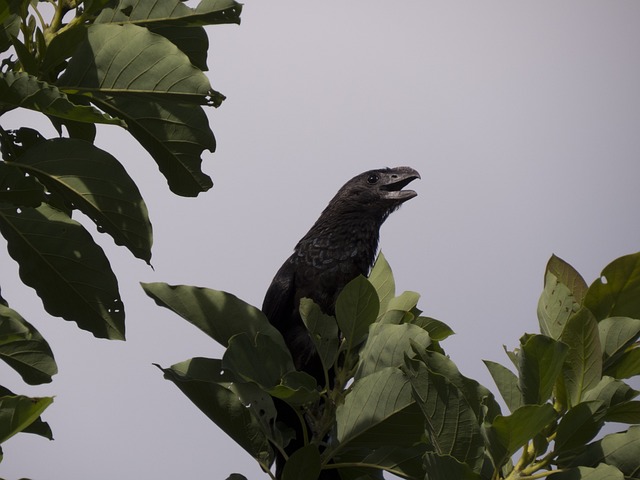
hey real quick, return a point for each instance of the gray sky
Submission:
(522, 117)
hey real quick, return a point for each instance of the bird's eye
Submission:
(373, 178)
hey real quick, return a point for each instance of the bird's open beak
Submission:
(399, 178)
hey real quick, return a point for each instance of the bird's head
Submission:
(378, 190)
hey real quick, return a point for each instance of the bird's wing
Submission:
(278, 304)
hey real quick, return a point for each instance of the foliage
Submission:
(399, 404)
(133, 64)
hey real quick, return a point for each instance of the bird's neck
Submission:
(352, 232)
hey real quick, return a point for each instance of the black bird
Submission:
(341, 245)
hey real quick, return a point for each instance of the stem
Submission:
(305, 433)
(39, 15)
(56, 21)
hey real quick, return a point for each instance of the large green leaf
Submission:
(505, 435)
(323, 330)
(617, 292)
(174, 134)
(304, 464)
(556, 304)
(387, 345)
(192, 41)
(628, 412)
(601, 472)
(437, 330)
(95, 182)
(451, 424)
(480, 399)
(259, 359)
(219, 314)
(381, 277)
(627, 365)
(171, 12)
(568, 276)
(357, 307)
(446, 467)
(202, 381)
(120, 59)
(373, 400)
(507, 383)
(38, 426)
(617, 334)
(582, 369)
(18, 412)
(23, 348)
(579, 425)
(70, 273)
(610, 392)
(618, 449)
(19, 189)
(405, 462)
(19, 89)
(539, 364)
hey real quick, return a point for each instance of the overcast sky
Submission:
(523, 119)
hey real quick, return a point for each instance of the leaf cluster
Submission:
(397, 403)
(137, 65)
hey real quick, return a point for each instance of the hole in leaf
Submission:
(603, 279)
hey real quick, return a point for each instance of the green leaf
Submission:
(323, 330)
(192, 41)
(220, 315)
(437, 330)
(617, 334)
(259, 359)
(357, 307)
(61, 47)
(505, 435)
(568, 276)
(617, 292)
(381, 277)
(628, 412)
(18, 412)
(626, 365)
(610, 392)
(236, 476)
(619, 450)
(70, 273)
(387, 345)
(480, 399)
(18, 189)
(401, 461)
(23, 348)
(556, 304)
(172, 12)
(446, 467)
(304, 464)
(203, 382)
(373, 400)
(174, 134)
(582, 369)
(540, 362)
(451, 424)
(579, 425)
(117, 59)
(601, 472)
(296, 388)
(37, 427)
(19, 89)
(507, 383)
(94, 182)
